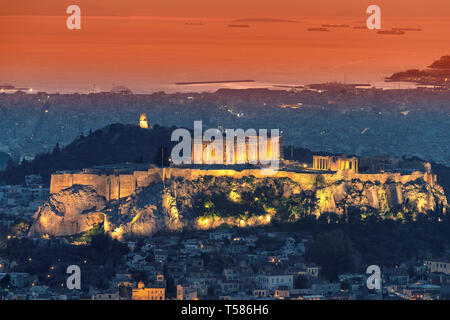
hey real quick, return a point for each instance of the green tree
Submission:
(334, 252)
(5, 281)
(139, 276)
(300, 282)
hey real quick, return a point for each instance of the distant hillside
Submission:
(436, 74)
(116, 143)
(442, 63)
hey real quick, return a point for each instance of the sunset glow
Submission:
(150, 46)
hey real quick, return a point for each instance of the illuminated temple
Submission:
(251, 150)
(335, 163)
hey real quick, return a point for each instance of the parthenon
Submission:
(335, 163)
(252, 150)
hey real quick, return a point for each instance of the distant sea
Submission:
(150, 54)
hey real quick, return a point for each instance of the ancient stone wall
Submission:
(119, 186)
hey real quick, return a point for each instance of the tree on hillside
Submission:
(334, 252)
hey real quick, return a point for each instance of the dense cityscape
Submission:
(307, 257)
(335, 118)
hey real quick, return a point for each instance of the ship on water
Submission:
(322, 29)
(335, 25)
(194, 24)
(392, 31)
(212, 82)
(264, 20)
(239, 26)
(407, 29)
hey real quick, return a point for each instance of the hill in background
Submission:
(116, 143)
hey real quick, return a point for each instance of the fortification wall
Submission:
(114, 186)
(60, 181)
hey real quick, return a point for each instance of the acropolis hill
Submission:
(137, 200)
(116, 182)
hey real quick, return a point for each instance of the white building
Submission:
(220, 235)
(438, 265)
(274, 280)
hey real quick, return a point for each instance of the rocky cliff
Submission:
(69, 212)
(210, 201)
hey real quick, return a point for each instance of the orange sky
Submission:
(231, 8)
(152, 53)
